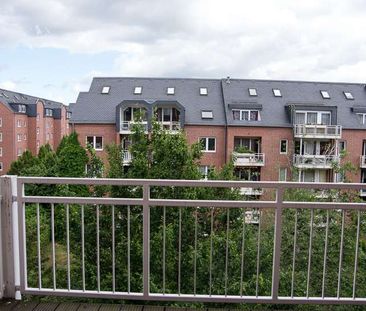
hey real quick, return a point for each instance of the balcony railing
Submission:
(170, 126)
(363, 161)
(317, 131)
(126, 126)
(315, 161)
(113, 247)
(248, 159)
(251, 191)
(127, 157)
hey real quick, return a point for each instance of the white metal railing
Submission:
(315, 161)
(127, 157)
(170, 126)
(204, 217)
(317, 131)
(248, 159)
(363, 161)
(251, 191)
(126, 126)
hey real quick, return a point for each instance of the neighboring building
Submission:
(28, 122)
(269, 126)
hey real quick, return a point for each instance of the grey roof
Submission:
(94, 107)
(9, 98)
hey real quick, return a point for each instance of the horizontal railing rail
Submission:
(182, 248)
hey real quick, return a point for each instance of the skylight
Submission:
(203, 91)
(206, 114)
(138, 90)
(105, 89)
(277, 92)
(348, 95)
(170, 91)
(325, 94)
(252, 92)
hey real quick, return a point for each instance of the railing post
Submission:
(10, 238)
(277, 244)
(146, 240)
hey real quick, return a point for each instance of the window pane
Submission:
(166, 112)
(283, 174)
(254, 115)
(203, 143)
(245, 115)
(283, 146)
(90, 140)
(325, 118)
(312, 118)
(211, 144)
(127, 114)
(236, 114)
(176, 113)
(300, 118)
(98, 142)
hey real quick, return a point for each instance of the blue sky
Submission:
(53, 48)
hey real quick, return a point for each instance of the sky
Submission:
(53, 48)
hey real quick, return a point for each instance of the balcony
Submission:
(363, 161)
(170, 126)
(315, 161)
(248, 159)
(251, 191)
(317, 131)
(118, 247)
(126, 126)
(126, 157)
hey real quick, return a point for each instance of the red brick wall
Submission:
(8, 141)
(60, 128)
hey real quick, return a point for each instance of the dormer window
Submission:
(203, 91)
(137, 90)
(48, 112)
(277, 92)
(246, 115)
(170, 91)
(252, 92)
(22, 108)
(348, 95)
(106, 89)
(325, 94)
(68, 114)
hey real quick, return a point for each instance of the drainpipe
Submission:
(226, 127)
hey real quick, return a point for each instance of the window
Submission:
(137, 90)
(1, 151)
(325, 94)
(205, 171)
(342, 145)
(348, 95)
(37, 130)
(1, 122)
(170, 91)
(361, 117)
(247, 144)
(252, 92)
(105, 89)
(95, 141)
(25, 123)
(283, 146)
(19, 123)
(37, 116)
(282, 174)
(313, 117)
(25, 136)
(1, 166)
(203, 91)
(277, 92)
(206, 114)
(68, 114)
(22, 108)
(248, 174)
(19, 137)
(246, 115)
(48, 137)
(48, 112)
(208, 144)
(19, 152)
(1, 137)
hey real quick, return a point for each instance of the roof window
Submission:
(203, 91)
(277, 92)
(106, 89)
(137, 90)
(252, 92)
(206, 114)
(170, 91)
(325, 94)
(348, 95)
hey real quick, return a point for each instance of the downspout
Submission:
(226, 127)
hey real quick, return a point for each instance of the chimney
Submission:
(228, 79)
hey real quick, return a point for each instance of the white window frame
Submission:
(19, 152)
(281, 152)
(242, 111)
(22, 108)
(206, 114)
(19, 123)
(94, 142)
(1, 151)
(1, 136)
(363, 121)
(137, 90)
(203, 91)
(19, 137)
(318, 115)
(38, 130)
(49, 112)
(205, 170)
(106, 89)
(279, 173)
(24, 136)
(170, 91)
(206, 147)
(1, 122)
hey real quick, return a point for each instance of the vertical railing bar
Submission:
(195, 252)
(68, 246)
(258, 253)
(179, 249)
(242, 255)
(310, 251)
(356, 254)
(325, 254)
(340, 257)
(128, 249)
(98, 251)
(294, 256)
(83, 246)
(53, 245)
(146, 240)
(211, 250)
(113, 252)
(164, 245)
(39, 249)
(227, 248)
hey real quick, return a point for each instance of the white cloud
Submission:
(8, 85)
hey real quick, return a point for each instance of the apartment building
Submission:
(274, 130)
(28, 122)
